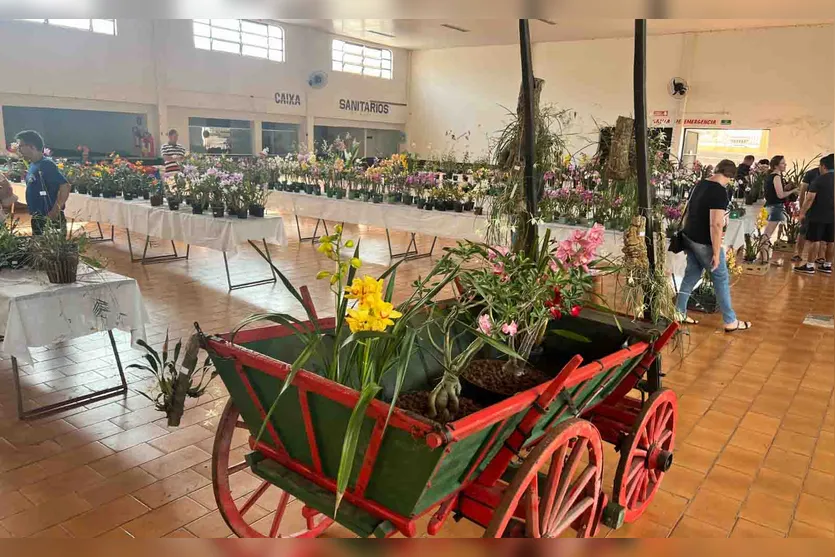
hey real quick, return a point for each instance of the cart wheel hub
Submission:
(659, 459)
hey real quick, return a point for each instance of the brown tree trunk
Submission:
(618, 166)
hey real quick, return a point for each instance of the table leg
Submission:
(266, 255)
(145, 260)
(315, 230)
(71, 403)
(411, 248)
(101, 237)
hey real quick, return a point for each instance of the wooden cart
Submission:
(531, 465)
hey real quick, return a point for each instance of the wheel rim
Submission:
(648, 454)
(558, 486)
(255, 510)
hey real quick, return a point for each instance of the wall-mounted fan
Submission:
(678, 88)
(318, 80)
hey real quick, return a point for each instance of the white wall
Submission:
(779, 79)
(152, 67)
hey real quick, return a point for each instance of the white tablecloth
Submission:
(34, 312)
(19, 189)
(444, 224)
(222, 234)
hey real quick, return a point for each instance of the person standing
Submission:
(743, 172)
(776, 190)
(703, 230)
(173, 153)
(7, 198)
(47, 189)
(807, 180)
(819, 209)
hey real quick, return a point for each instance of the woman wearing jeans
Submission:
(776, 190)
(703, 229)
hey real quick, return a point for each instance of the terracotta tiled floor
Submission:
(755, 453)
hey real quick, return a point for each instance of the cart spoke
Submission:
(639, 453)
(636, 467)
(644, 487)
(651, 423)
(238, 467)
(254, 497)
(668, 413)
(240, 425)
(554, 472)
(665, 438)
(582, 507)
(576, 489)
(532, 511)
(633, 482)
(279, 513)
(653, 475)
(565, 479)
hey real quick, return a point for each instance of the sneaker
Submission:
(807, 268)
(820, 260)
(797, 259)
(825, 268)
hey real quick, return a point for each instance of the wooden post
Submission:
(640, 94)
(527, 230)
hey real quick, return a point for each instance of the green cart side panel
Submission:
(355, 519)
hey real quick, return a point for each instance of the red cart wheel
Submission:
(646, 455)
(558, 486)
(239, 515)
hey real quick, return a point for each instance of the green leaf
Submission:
(177, 349)
(289, 286)
(280, 318)
(363, 335)
(570, 335)
(165, 348)
(402, 368)
(500, 346)
(349, 445)
(150, 350)
(390, 285)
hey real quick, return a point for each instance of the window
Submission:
(103, 26)
(362, 60)
(239, 36)
(220, 136)
(279, 138)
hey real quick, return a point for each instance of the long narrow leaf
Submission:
(150, 350)
(288, 321)
(403, 367)
(571, 335)
(390, 285)
(289, 286)
(349, 445)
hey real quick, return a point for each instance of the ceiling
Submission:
(422, 34)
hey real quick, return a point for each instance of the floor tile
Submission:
(166, 519)
(105, 518)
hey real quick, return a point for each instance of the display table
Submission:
(34, 312)
(19, 189)
(224, 234)
(403, 218)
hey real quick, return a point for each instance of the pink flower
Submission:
(496, 251)
(498, 268)
(548, 176)
(510, 329)
(485, 324)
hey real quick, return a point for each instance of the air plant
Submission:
(175, 381)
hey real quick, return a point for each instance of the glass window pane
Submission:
(353, 48)
(247, 50)
(372, 72)
(387, 54)
(234, 24)
(33, 20)
(106, 26)
(255, 40)
(338, 45)
(203, 42)
(252, 27)
(372, 53)
(74, 23)
(385, 74)
(370, 63)
(206, 21)
(202, 30)
(224, 46)
(277, 55)
(276, 31)
(387, 64)
(337, 66)
(352, 68)
(226, 35)
(353, 59)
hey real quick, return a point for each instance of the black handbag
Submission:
(677, 239)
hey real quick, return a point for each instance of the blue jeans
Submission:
(699, 258)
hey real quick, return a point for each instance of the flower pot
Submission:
(457, 206)
(420, 203)
(330, 193)
(353, 194)
(256, 210)
(398, 197)
(407, 199)
(197, 209)
(62, 270)
(377, 198)
(174, 204)
(95, 192)
(390, 198)
(440, 205)
(81, 189)
(468, 206)
(428, 206)
(146, 195)
(217, 210)
(243, 213)
(128, 196)
(108, 194)
(449, 205)
(156, 200)
(478, 210)
(339, 194)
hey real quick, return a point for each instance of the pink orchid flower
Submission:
(510, 329)
(485, 324)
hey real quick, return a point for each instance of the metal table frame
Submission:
(315, 230)
(71, 403)
(411, 252)
(145, 260)
(266, 256)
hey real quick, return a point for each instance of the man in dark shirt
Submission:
(704, 225)
(743, 172)
(46, 188)
(799, 247)
(819, 209)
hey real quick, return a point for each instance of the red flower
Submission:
(575, 311)
(556, 313)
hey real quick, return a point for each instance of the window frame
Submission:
(248, 42)
(90, 27)
(384, 56)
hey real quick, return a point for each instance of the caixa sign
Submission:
(369, 107)
(291, 99)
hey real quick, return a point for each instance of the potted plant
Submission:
(175, 378)
(175, 189)
(258, 200)
(13, 246)
(58, 252)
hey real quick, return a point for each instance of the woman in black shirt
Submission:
(776, 190)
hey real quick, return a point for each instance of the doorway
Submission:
(710, 145)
